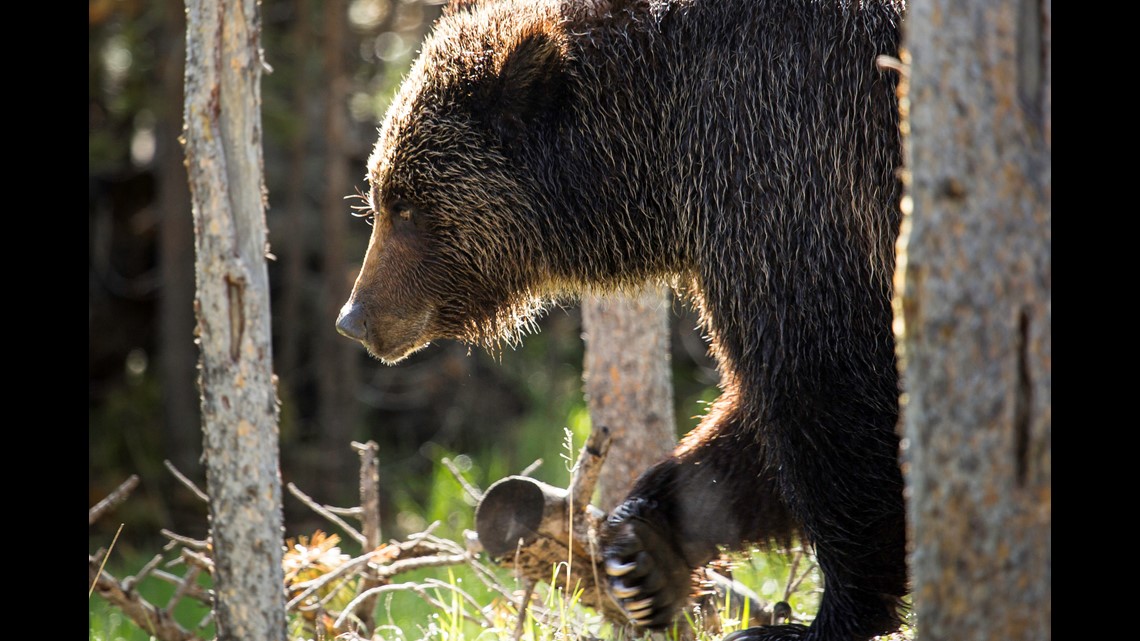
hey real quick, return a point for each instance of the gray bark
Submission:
(369, 521)
(629, 384)
(239, 402)
(975, 312)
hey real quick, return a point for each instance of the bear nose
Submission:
(350, 323)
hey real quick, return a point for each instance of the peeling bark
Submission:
(238, 396)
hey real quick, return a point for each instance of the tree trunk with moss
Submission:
(239, 401)
(629, 384)
(975, 317)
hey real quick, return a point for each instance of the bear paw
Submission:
(647, 575)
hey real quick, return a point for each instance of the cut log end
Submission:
(511, 509)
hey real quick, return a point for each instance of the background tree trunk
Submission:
(976, 310)
(239, 402)
(181, 422)
(336, 357)
(292, 286)
(629, 384)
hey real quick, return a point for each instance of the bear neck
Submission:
(606, 168)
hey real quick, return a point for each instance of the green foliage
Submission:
(127, 427)
(770, 573)
(457, 605)
(121, 82)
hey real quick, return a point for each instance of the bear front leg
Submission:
(718, 493)
(848, 497)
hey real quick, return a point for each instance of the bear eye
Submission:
(403, 211)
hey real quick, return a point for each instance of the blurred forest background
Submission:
(335, 65)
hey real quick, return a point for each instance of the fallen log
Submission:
(550, 534)
(534, 528)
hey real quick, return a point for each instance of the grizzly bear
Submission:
(745, 152)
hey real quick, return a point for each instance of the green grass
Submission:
(406, 615)
(453, 603)
(107, 623)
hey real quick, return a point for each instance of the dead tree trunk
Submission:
(239, 403)
(976, 310)
(629, 384)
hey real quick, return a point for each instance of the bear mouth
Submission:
(400, 338)
(393, 354)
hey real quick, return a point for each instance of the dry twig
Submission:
(186, 481)
(195, 592)
(521, 609)
(324, 511)
(793, 581)
(528, 470)
(145, 615)
(407, 565)
(130, 582)
(103, 556)
(312, 586)
(184, 541)
(420, 590)
(116, 497)
(470, 489)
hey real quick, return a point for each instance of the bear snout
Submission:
(350, 323)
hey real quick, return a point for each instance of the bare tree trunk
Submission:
(182, 437)
(369, 522)
(336, 357)
(629, 384)
(239, 402)
(976, 308)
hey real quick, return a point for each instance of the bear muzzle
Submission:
(390, 336)
(350, 323)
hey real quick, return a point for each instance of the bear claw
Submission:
(637, 606)
(621, 591)
(614, 568)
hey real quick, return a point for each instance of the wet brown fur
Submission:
(744, 151)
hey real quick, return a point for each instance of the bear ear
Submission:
(530, 87)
